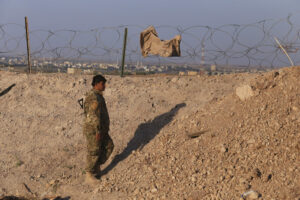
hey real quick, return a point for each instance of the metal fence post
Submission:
(28, 45)
(124, 51)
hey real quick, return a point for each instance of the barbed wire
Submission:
(232, 44)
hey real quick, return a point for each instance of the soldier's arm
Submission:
(92, 113)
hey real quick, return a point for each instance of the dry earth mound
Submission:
(216, 137)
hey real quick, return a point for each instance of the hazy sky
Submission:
(85, 14)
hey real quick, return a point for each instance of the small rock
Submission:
(251, 141)
(244, 92)
(251, 195)
(264, 107)
(97, 190)
(40, 176)
(136, 191)
(175, 79)
(154, 190)
(223, 149)
(294, 108)
(52, 182)
(82, 81)
(194, 179)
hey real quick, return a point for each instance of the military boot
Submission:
(91, 179)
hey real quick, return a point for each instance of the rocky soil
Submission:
(190, 137)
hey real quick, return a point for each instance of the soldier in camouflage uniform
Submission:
(95, 128)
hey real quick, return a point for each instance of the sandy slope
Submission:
(251, 144)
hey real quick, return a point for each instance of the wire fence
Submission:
(250, 45)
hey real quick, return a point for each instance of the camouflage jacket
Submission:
(96, 114)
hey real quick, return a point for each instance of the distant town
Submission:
(93, 67)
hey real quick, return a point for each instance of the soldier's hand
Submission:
(97, 137)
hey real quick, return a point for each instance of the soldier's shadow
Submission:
(143, 135)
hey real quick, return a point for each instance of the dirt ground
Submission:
(248, 147)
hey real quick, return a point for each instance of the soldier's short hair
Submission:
(97, 79)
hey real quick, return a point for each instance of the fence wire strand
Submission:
(232, 44)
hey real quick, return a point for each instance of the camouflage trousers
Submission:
(98, 152)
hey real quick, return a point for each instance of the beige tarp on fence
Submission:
(151, 44)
